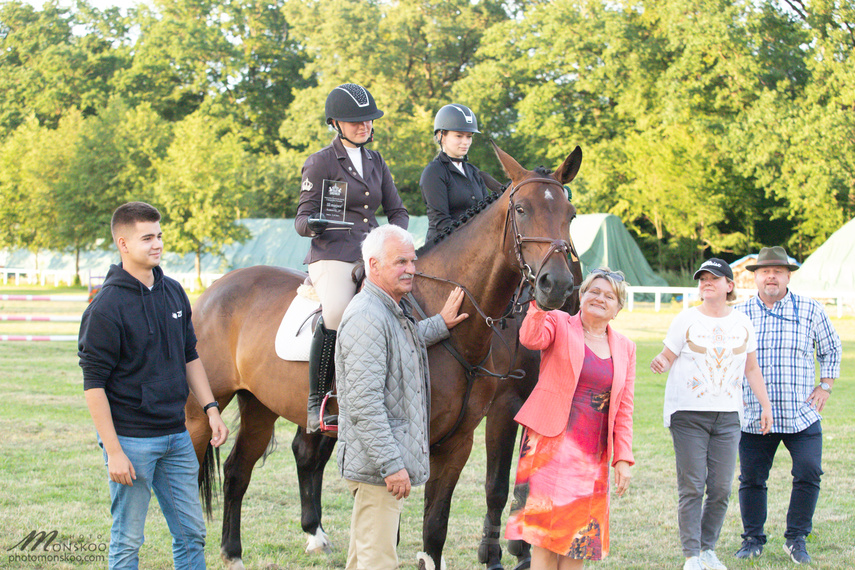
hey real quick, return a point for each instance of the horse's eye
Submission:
(520, 210)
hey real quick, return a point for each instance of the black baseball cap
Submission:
(717, 267)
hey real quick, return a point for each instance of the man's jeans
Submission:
(756, 453)
(167, 464)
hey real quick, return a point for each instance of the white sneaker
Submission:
(710, 561)
(693, 563)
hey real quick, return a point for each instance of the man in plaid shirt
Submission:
(790, 330)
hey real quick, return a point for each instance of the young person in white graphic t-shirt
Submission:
(708, 350)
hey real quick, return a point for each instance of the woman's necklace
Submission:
(592, 335)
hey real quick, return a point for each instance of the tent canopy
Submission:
(603, 240)
(832, 266)
(600, 239)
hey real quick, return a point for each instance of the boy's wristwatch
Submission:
(825, 386)
(214, 404)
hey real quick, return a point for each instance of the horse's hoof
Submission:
(524, 564)
(232, 563)
(318, 543)
(427, 563)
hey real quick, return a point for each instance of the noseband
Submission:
(563, 246)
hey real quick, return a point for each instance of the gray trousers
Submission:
(705, 446)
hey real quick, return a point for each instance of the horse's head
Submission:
(537, 227)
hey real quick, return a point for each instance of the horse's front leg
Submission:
(446, 463)
(312, 452)
(501, 433)
(253, 437)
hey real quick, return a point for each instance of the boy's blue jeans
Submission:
(168, 465)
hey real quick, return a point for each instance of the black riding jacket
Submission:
(447, 193)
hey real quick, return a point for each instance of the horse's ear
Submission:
(511, 167)
(570, 168)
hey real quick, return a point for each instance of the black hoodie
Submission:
(135, 343)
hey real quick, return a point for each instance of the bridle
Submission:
(564, 247)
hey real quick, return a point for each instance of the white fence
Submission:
(687, 295)
(690, 295)
(44, 276)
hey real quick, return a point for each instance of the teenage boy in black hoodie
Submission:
(137, 350)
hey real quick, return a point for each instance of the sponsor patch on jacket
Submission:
(177, 315)
(306, 186)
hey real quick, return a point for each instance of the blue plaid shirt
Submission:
(787, 337)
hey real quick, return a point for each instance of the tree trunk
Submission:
(198, 263)
(76, 281)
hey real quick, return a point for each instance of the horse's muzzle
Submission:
(553, 285)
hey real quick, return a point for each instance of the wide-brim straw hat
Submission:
(772, 257)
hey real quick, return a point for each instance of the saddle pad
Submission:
(294, 337)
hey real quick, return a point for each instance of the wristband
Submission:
(213, 404)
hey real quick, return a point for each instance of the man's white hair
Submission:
(375, 242)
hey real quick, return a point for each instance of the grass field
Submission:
(52, 475)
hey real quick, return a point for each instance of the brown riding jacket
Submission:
(365, 194)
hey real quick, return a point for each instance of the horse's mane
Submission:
(467, 215)
(471, 213)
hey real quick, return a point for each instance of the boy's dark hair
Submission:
(131, 213)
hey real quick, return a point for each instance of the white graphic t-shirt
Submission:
(711, 352)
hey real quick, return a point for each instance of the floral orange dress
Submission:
(561, 495)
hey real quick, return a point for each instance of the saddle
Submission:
(294, 335)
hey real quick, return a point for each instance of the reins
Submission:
(472, 371)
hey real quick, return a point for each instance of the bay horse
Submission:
(520, 236)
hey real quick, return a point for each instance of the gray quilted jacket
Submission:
(383, 389)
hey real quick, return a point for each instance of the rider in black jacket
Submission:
(450, 184)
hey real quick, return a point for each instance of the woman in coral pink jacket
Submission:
(578, 421)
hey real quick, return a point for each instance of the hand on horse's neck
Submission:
(473, 257)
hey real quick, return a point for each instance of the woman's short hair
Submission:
(615, 278)
(375, 241)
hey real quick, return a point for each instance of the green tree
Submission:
(34, 161)
(658, 93)
(202, 186)
(408, 54)
(112, 163)
(798, 139)
(234, 58)
(52, 61)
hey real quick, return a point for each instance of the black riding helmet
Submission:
(455, 117)
(351, 103)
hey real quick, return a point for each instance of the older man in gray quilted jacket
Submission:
(384, 395)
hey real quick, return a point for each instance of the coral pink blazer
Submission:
(560, 339)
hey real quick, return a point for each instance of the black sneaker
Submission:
(751, 548)
(797, 550)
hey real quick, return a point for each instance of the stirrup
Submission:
(328, 428)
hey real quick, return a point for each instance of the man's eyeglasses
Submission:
(616, 276)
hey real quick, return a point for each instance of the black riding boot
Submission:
(321, 375)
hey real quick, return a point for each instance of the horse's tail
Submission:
(209, 474)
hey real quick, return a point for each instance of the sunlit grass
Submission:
(52, 477)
